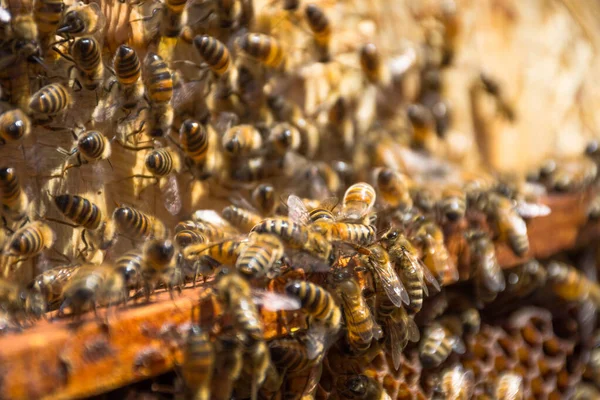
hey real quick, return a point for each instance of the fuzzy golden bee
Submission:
(14, 125)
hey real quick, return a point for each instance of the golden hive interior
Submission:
(282, 199)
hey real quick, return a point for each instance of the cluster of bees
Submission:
(359, 268)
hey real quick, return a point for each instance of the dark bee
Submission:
(263, 48)
(214, 53)
(13, 199)
(264, 198)
(136, 224)
(453, 203)
(88, 62)
(194, 141)
(82, 19)
(321, 28)
(14, 125)
(91, 146)
(361, 387)
(31, 240)
(90, 286)
(370, 62)
(157, 79)
(50, 100)
(198, 362)
(162, 162)
(128, 70)
(228, 366)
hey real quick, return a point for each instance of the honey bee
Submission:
(264, 198)
(85, 53)
(241, 140)
(290, 355)
(198, 363)
(361, 387)
(361, 326)
(214, 53)
(298, 236)
(13, 199)
(137, 225)
(50, 284)
(225, 252)
(14, 125)
(435, 254)
(47, 15)
(570, 284)
(213, 219)
(286, 111)
(50, 101)
(523, 280)
(321, 28)
(510, 387)
(90, 286)
(487, 273)
(158, 81)
(457, 384)
(211, 231)
(128, 70)
(439, 340)
(157, 264)
(283, 138)
(370, 63)
(241, 218)
(82, 20)
(324, 314)
(194, 141)
(129, 266)
(162, 162)
(264, 48)
(509, 224)
(453, 203)
(86, 214)
(31, 240)
(413, 273)
(258, 257)
(91, 146)
(228, 366)
(358, 201)
(188, 237)
(378, 262)
(235, 295)
(394, 188)
(422, 123)
(19, 303)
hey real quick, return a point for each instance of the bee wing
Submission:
(297, 210)
(532, 210)
(392, 285)
(170, 194)
(5, 16)
(395, 342)
(491, 273)
(330, 203)
(413, 330)
(272, 301)
(318, 341)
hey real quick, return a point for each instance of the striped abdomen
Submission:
(194, 140)
(289, 355)
(316, 301)
(50, 100)
(47, 14)
(157, 79)
(241, 218)
(263, 47)
(128, 68)
(358, 200)
(292, 233)
(159, 162)
(435, 346)
(86, 53)
(10, 187)
(214, 53)
(257, 259)
(79, 210)
(129, 266)
(197, 367)
(93, 146)
(133, 223)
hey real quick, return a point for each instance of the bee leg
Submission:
(79, 87)
(60, 53)
(112, 83)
